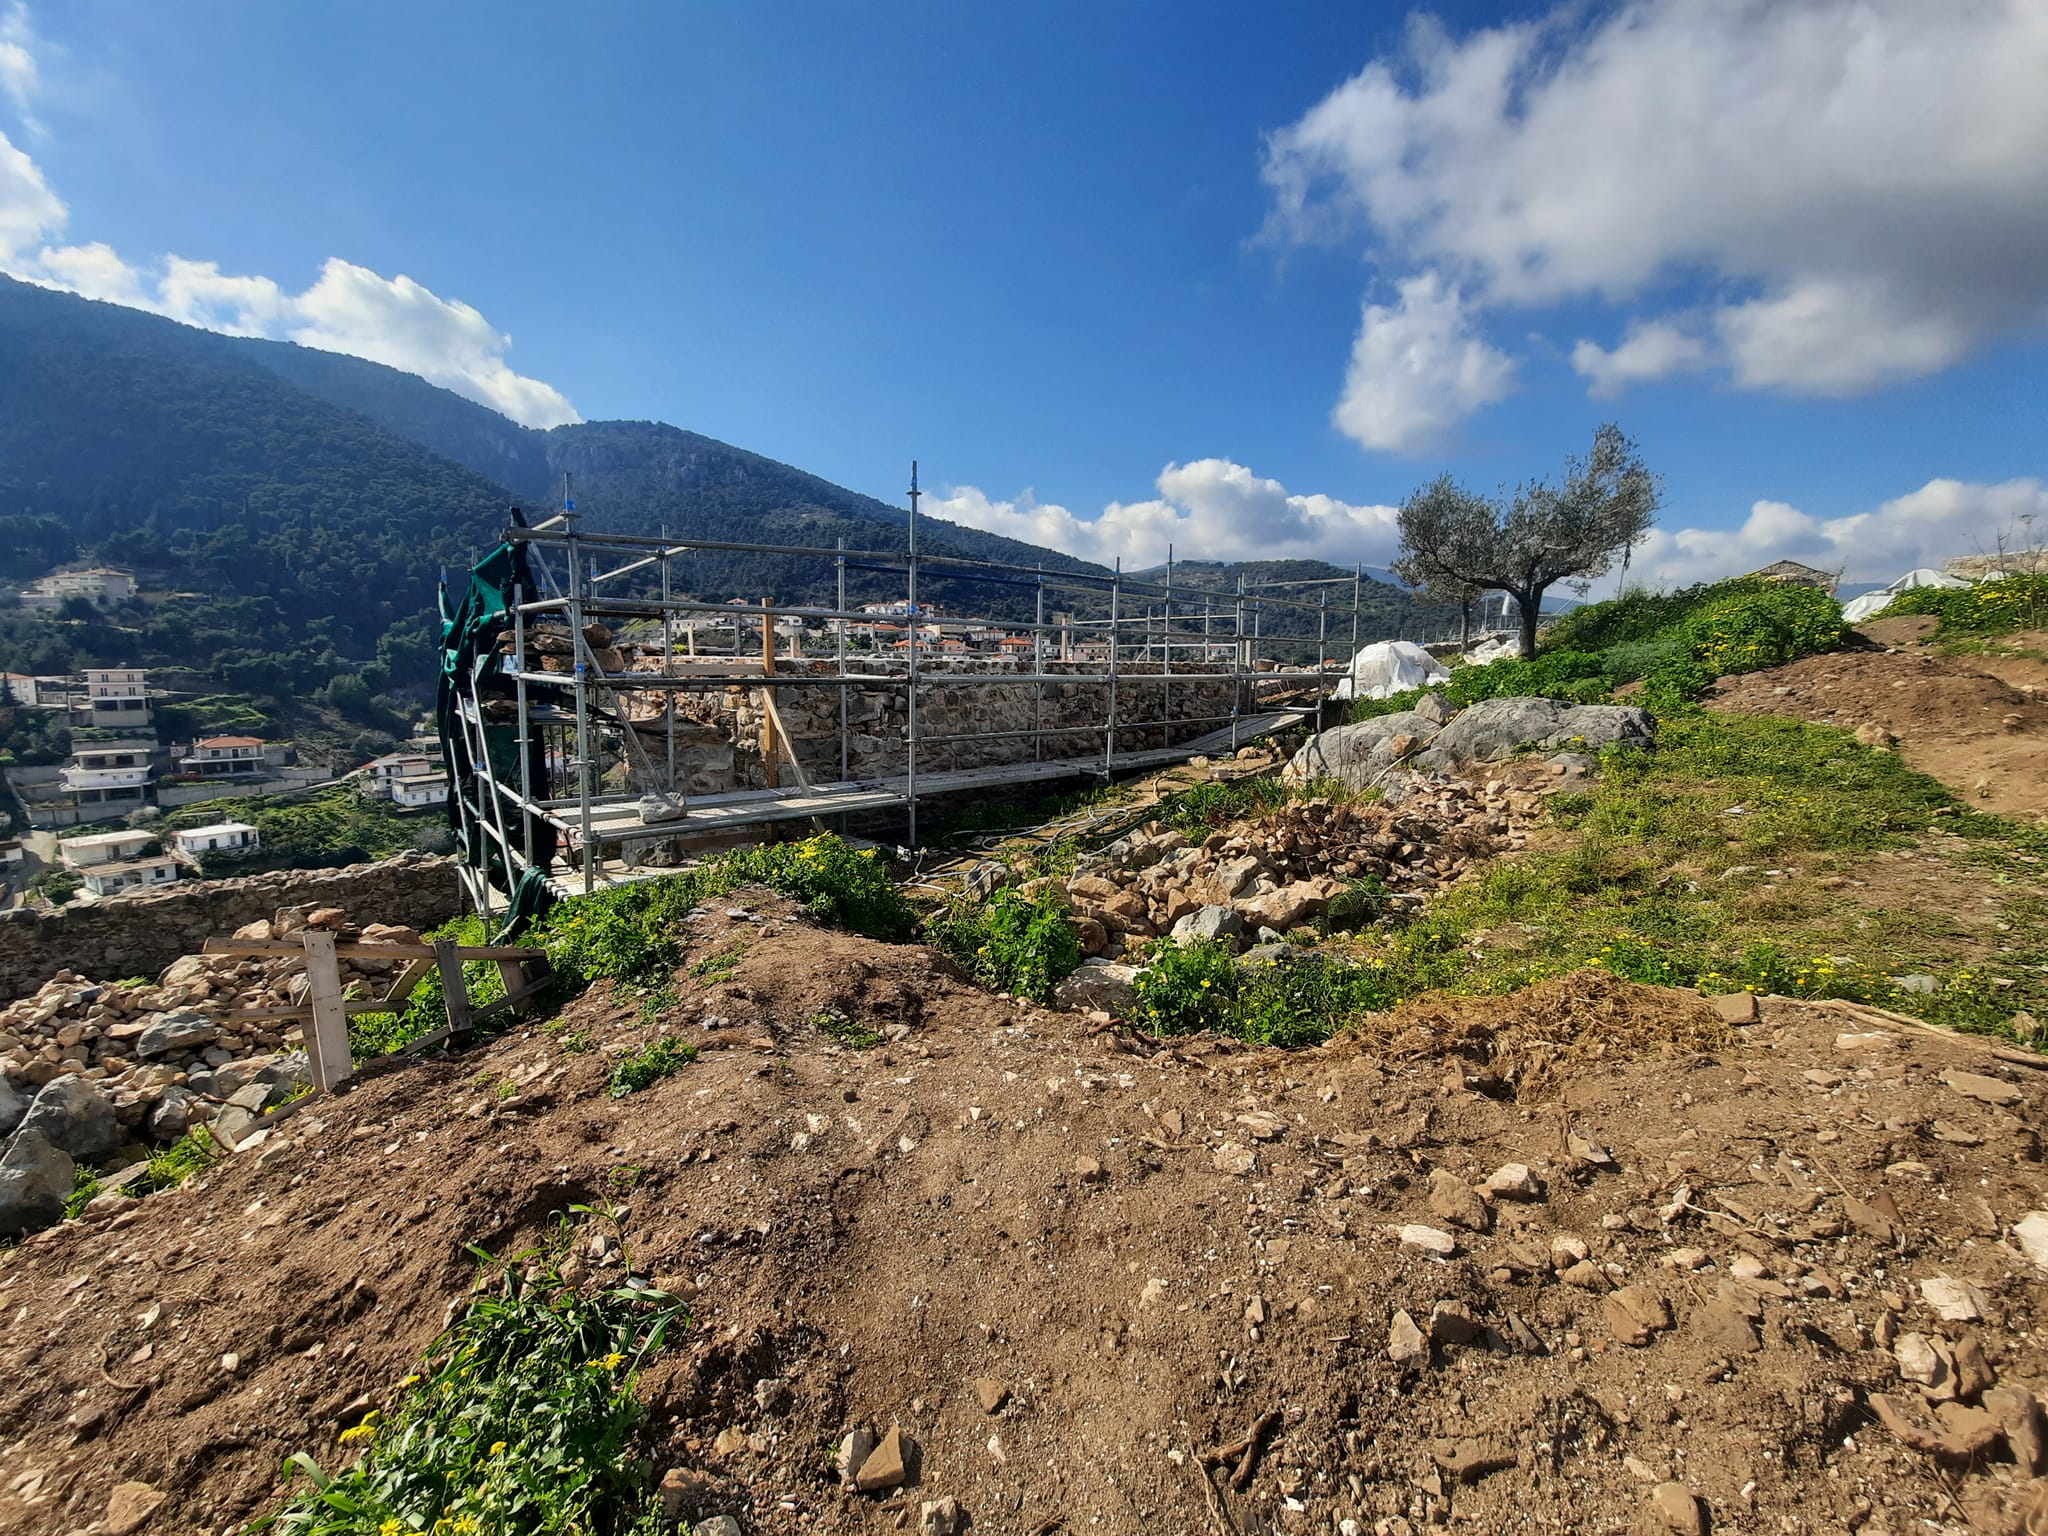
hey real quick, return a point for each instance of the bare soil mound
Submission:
(1068, 1262)
(1979, 724)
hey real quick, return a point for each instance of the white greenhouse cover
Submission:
(1388, 667)
(1858, 609)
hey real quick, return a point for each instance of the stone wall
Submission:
(718, 733)
(139, 935)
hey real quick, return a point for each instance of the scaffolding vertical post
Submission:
(524, 739)
(1116, 580)
(840, 562)
(1237, 664)
(910, 707)
(1323, 645)
(1038, 672)
(582, 676)
(668, 662)
(1166, 655)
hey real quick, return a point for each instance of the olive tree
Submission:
(1571, 531)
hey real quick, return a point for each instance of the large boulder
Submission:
(1210, 922)
(74, 1117)
(185, 1029)
(1496, 728)
(35, 1181)
(12, 1106)
(1099, 984)
(1356, 755)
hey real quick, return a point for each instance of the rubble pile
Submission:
(1260, 878)
(96, 1073)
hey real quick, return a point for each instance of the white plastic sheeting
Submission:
(1858, 609)
(1388, 667)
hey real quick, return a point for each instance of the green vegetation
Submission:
(55, 885)
(520, 1421)
(848, 1032)
(1988, 608)
(334, 826)
(1719, 861)
(167, 1169)
(379, 1034)
(649, 1065)
(1675, 644)
(630, 933)
(1010, 942)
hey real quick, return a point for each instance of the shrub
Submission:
(649, 1065)
(1186, 988)
(520, 1421)
(1010, 942)
(1988, 608)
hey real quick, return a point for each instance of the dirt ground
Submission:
(1978, 723)
(1150, 1247)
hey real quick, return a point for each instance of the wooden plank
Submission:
(326, 1033)
(410, 977)
(454, 990)
(258, 948)
(299, 1013)
(510, 1000)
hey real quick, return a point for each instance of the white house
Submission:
(19, 688)
(220, 837)
(101, 585)
(224, 757)
(417, 791)
(380, 776)
(135, 874)
(110, 776)
(103, 849)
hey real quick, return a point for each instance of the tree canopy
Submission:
(1545, 533)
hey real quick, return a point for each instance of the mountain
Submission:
(308, 503)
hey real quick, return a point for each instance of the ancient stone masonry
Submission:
(719, 733)
(140, 935)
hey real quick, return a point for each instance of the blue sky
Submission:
(1242, 276)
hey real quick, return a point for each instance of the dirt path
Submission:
(1150, 1249)
(1977, 723)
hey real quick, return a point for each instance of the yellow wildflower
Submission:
(497, 1448)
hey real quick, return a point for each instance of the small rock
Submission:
(890, 1465)
(941, 1517)
(35, 1182)
(1920, 1361)
(854, 1450)
(1451, 1323)
(1469, 1459)
(1154, 1294)
(1953, 1301)
(1451, 1198)
(992, 1394)
(1586, 1275)
(1263, 1125)
(1405, 1344)
(1986, 1090)
(185, 1029)
(130, 1506)
(1233, 1159)
(2018, 1413)
(1514, 1181)
(1923, 984)
(1687, 1259)
(1672, 1510)
(730, 1441)
(1087, 1170)
(1634, 1313)
(717, 1525)
(1721, 1328)
(1421, 1239)
(1735, 1008)
(2031, 1233)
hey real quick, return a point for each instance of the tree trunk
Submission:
(1464, 621)
(1531, 604)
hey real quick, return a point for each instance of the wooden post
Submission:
(771, 771)
(454, 990)
(513, 974)
(326, 1033)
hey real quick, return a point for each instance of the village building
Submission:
(116, 698)
(99, 585)
(217, 837)
(111, 777)
(225, 757)
(135, 874)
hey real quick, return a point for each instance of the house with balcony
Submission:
(141, 874)
(378, 779)
(220, 837)
(116, 698)
(109, 778)
(225, 757)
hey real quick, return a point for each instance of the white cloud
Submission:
(1861, 185)
(395, 321)
(19, 79)
(1210, 509)
(1941, 520)
(1651, 350)
(1417, 370)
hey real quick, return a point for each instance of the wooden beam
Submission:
(326, 1034)
(454, 990)
(260, 948)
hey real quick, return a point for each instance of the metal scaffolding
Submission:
(534, 799)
